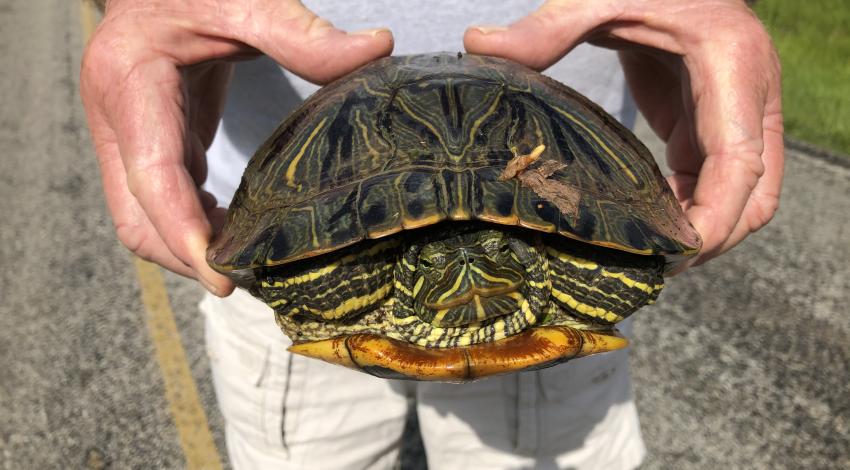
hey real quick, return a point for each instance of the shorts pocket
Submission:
(251, 374)
(282, 385)
(238, 377)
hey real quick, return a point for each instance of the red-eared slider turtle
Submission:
(449, 217)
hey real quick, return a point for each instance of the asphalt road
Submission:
(742, 363)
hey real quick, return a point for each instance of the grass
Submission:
(813, 39)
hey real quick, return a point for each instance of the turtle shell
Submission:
(407, 142)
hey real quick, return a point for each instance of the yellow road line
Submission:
(88, 18)
(181, 392)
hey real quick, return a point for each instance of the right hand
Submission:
(153, 81)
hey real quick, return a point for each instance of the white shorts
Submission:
(284, 411)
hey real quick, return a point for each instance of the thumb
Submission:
(544, 36)
(311, 46)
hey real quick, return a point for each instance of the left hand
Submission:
(706, 77)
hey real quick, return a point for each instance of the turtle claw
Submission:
(536, 348)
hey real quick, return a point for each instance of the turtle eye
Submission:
(492, 247)
(426, 263)
(505, 249)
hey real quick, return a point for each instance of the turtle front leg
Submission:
(331, 288)
(604, 289)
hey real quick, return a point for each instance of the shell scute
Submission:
(407, 142)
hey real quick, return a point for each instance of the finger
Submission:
(658, 95)
(151, 136)
(722, 132)
(134, 229)
(208, 201)
(764, 199)
(217, 218)
(683, 186)
(311, 46)
(544, 36)
(132, 226)
(286, 30)
(205, 87)
(140, 138)
(740, 155)
(660, 85)
(196, 158)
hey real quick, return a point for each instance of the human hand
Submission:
(152, 83)
(706, 77)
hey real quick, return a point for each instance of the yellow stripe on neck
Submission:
(586, 309)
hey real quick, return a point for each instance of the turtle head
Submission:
(468, 278)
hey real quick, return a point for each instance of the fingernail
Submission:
(208, 285)
(370, 32)
(487, 29)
